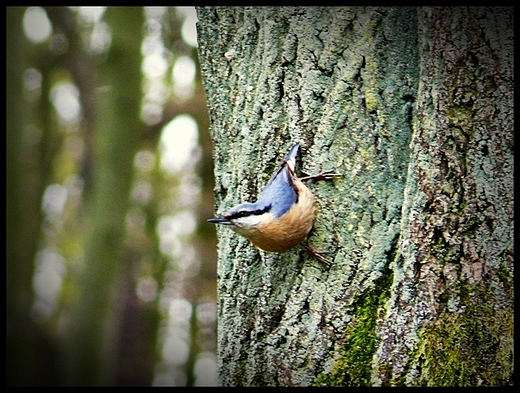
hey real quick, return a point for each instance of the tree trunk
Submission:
(93, 326)
(31, 143)
(23, 213)
(414, 106)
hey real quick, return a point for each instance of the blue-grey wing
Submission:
(280, 191)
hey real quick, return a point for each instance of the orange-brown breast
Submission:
(291, 228)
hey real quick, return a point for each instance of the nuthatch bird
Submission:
(284, 213)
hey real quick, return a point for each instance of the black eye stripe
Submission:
(240, 214)
(246, 213)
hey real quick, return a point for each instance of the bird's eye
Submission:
(241, 214)
(247, 213)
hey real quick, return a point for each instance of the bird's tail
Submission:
(290, 160)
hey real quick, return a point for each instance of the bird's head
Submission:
(245, 217)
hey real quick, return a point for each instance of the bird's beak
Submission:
(220, 220)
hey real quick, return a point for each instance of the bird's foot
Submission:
(326, 175)
(318, 254)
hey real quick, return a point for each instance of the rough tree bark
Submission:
(414, 106)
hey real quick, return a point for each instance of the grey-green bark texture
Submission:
(414, 106)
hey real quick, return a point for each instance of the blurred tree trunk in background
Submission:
(22, 213)
(96, 316)
(30, 144)
(87, 193)
(414, 106)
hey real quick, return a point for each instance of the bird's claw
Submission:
(325, 175)
(318, 255)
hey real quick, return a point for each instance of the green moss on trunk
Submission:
(354, 367)
(453, 347)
